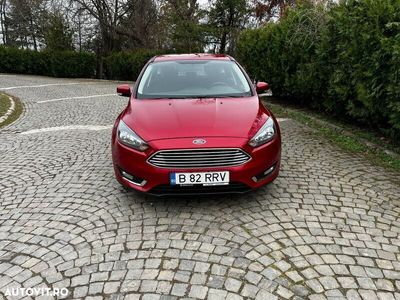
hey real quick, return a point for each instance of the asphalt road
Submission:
(328, 227)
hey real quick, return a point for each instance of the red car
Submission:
(195, 124)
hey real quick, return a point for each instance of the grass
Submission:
(5, 105)
(346, 137)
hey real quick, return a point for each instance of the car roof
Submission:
(194, 56)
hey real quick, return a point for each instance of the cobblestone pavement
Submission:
(328, 227)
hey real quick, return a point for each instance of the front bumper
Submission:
(155, 180)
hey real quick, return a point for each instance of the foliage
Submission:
(180, 21)
(24, 20)
(227, 18)
(266, 10)
(119, 65)
(57, 35)
(58, 64)
(343, 59)
(126, 65)
(108, 26)
(119, 23)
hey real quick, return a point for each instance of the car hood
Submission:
(162, 119)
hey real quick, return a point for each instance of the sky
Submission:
(202, 2)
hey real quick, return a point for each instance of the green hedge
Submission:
(58, 64)
(120, 65)
(344, 60)
(126, 65)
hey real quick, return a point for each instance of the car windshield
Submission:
(193, 79)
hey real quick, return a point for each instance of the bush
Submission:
(58, 64)
(126, 65)
(119, 65)
(343, 60)
(73, 64)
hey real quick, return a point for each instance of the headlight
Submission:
(264, 135)
(129, 138)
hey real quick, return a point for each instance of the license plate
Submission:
(204, 178)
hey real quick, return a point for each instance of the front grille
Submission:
(199, 158)
(231, 188)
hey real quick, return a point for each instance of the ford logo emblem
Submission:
(199, 142)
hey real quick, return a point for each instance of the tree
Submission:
(3, 20)
(227, 18)
(266, 10)
(121, 23)
(25, 21)
(182, 27)
(57, 34)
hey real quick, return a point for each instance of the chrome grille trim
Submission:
(199, 158)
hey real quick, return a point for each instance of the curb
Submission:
(9, 111)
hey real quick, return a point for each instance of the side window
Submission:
(146, 79)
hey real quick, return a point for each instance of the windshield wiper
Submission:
(231, 96)
(157, 98)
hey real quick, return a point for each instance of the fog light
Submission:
(264, 174)
(132, 178)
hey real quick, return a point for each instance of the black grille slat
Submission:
(197, 161)
(206, 150)
(198, 165)
(199, 158)
(189, 152)
(233, 187)
(195, 158)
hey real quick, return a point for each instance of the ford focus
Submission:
(195, 124)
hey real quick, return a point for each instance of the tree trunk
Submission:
(3, 33)
(32, 29)
(231, 46)
(3, 21)
(230, 26)
(223, 42)
(80, 33)
(99, 62)
(100, 66)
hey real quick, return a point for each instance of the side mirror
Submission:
(262, 87)
(124, 90)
